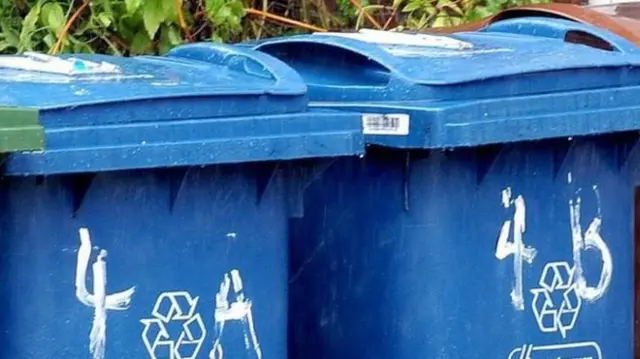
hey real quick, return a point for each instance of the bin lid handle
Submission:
(569, 31)
(251, 62)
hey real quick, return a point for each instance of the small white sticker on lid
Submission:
(37, 62)
(405, 39)
(385, 124)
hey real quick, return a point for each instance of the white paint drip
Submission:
(517, 248)
(506, 197)
(98, 334)
(591, 240)
(237, 281)
(240, 310)
(99, 300)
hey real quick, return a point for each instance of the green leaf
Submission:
(424, 20)
(132, 5)
(105, 19)
(29, 27)
(164, 45)
(49, 40)
(222, 15)
(52, 16)
(153, 16)
(216, 38)
(441, 21)
(170, 11)
(493, 6)
(412, 6)
(397, 3)
(4, 45)
(447, 4)
(432, 11)
(237, 8)
(213, 6)
(481, 12)
(30, 21)
(140, 42)
(81, 47)
(10, 34)
(174, 36)
(127, 29)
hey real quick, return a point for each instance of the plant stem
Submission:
(285, 20)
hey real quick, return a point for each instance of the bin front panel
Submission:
(196, 265)
(523, 251)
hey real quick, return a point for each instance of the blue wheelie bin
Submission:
(492, 216)
(184, 169)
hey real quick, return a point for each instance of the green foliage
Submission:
(115, 26)
(422, 14)
(132, 27)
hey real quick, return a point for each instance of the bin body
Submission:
(415, 269)
(162, 176)
(167, 252)
(495, 222)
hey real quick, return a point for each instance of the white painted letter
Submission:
(98, 300)
(520, 252)
(240, 310)
(591, 239)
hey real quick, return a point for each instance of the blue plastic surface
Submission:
(398, 255)
(501, 87)
(558, 29)
(506, 232)
(155, 222)
(202, 104)
(395, 71)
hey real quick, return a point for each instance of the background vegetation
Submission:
(131, 27)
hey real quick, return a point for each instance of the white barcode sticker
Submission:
(385, 124)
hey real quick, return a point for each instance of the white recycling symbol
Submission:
(557, 277)
(180, 308)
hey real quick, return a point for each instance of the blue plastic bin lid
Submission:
(516, 80)
(200, 104)
(377, 66)
(191, 82)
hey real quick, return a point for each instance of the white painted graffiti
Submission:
(562, 287)
(99, 300)
(557, 277)
(586, 350)
(582, 241)
(238, 310)
(179, 308)
(590, 239)
(516, 247)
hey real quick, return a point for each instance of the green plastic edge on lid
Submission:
(20, 130)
